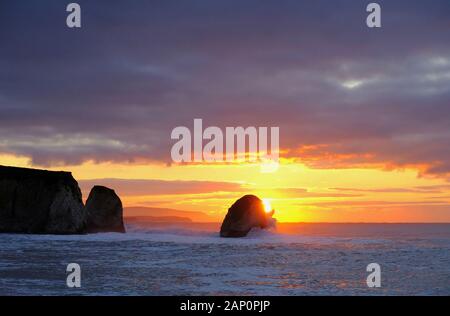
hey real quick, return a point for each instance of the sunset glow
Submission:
(363, 129)
(267, 206)
(224, 154)
(297, 192)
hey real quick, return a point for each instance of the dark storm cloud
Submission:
(114, 89)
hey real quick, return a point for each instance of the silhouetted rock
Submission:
(104, 211)
(40, 202)
(243, 215)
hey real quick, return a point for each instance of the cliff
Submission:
(39, 201)
(47, 202)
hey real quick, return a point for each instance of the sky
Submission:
(364, 114)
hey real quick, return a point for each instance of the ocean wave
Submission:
(209, 234)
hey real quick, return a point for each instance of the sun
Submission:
(267, 206)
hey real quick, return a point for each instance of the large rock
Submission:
(40, 202)
(104, 211)
(243, 215)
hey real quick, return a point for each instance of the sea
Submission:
(191, 259)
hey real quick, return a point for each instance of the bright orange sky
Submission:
(296, 192)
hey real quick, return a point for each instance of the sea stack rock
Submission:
(104, 211)
(40, 202)
(243, 215)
